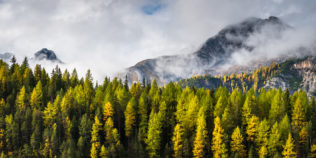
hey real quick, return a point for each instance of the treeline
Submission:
(60, 115)
(242, 81)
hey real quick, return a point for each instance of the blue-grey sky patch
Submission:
(152, 7)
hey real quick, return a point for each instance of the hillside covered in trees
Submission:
(60, 115)
(292, 74)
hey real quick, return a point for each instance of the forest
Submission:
(62, 115)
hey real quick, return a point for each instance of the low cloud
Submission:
(109, 35)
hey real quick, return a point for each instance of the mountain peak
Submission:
(46, 54)
(213, 54)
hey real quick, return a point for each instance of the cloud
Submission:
(109, 35)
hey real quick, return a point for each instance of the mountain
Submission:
(6, 57)
(214, 53)
(46, 54)
(293, 74)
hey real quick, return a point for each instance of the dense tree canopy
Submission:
(61, 115)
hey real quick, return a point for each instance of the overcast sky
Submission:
(109, 35)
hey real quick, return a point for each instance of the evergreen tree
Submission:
(143, 116)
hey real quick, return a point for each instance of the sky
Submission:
(107, 36)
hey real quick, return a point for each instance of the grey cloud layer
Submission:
(109, 35)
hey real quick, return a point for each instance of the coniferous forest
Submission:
(58, 114)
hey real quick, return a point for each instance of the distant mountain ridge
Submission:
(293, 74)
(42, 55)
(215, 52)
(46, 54)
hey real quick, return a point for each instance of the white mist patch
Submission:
(270, 44)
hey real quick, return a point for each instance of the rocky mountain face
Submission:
(46, 54)
(293, 74)
(216, 51)
(298, 74)
(42, 55)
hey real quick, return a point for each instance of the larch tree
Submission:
(95, 138)
(218, 143)
(153, 139)
(288, 148)
(236, 144)
(103, 152)
(107, 111)
(277, 109)
(50, 114)
(37, 96)
(130, 116)
(262, 135)
(21, 99)
(251, 129)
(298, 115)
(177, 141)
(200, 137)
(246, 111)
(274, 140)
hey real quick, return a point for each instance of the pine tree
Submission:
(218, 144)
(143, 116)
(288, 151)
(236, 143)
(177, 140)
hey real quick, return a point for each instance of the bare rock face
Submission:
(276, 83)
(307, 70)
(300, 75)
